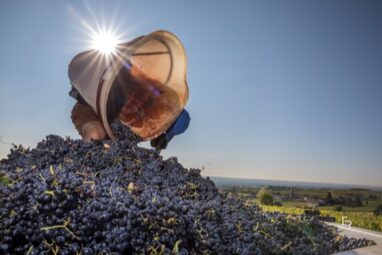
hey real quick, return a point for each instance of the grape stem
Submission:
(29, 250)
(64, 226)
(286, 246)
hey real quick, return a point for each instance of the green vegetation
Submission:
(338, 208)
(358, 219)
(378, 210)
(361, 206)
(4, 180)
(266, 199)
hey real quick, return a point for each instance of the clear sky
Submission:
(286, 90)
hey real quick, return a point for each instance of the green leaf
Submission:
(4, 180)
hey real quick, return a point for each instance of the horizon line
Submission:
(297, 181)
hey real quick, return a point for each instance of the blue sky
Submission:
(286, 90)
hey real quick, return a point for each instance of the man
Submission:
(139, 101)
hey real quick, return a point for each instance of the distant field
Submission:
(297, 200)
(358, 219)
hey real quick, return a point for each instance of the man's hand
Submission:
(178, 127)
(159, 143)
(87, 123)
(93, 131)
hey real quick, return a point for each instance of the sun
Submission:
(105, 42)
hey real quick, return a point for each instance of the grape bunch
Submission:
(112, 197)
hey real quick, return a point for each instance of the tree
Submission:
(292, 194)
(261, 192)
(266, 199)
(329, 198)
(338, 208)
(357, 201)
(378, 210)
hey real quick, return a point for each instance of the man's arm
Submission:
(87, 123)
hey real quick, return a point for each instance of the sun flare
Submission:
(105, 42)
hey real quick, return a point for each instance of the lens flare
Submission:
(105, 42)
(100, 33)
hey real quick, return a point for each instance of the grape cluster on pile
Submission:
(70, 197)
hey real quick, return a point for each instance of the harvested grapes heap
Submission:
(70, 197)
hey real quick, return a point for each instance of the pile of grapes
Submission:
(70, 197)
